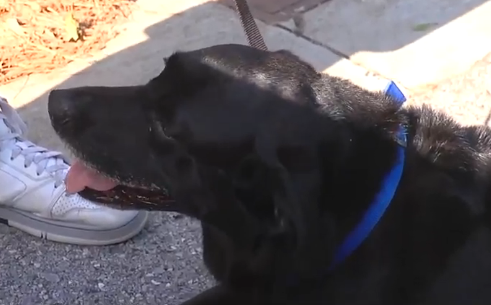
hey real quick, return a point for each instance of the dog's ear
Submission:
(183, 73)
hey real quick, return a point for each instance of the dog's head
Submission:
(211, 101)
(221, 107)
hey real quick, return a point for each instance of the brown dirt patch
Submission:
(38, 36)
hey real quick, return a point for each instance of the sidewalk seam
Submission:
(336, 52)
(315, 42)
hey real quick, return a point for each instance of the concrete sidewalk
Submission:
(435, 49)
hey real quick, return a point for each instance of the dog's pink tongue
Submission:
(79, 177)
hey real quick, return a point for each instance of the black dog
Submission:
(280, 164)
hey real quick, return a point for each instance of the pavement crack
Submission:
(312, 41)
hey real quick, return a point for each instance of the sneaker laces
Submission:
(51, 162)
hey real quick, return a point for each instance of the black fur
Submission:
(279, 163)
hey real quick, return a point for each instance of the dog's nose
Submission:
(64, 109)
(59, 103)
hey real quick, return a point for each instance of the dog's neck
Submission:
(349, 190)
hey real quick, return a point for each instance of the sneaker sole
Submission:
(56, 231)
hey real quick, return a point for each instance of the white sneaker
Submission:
(33, 196)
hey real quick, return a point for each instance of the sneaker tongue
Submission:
(24, 144)
(79, 177)
(4, 128)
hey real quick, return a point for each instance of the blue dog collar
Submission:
(382, 200)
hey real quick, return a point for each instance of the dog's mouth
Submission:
(97, 187)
